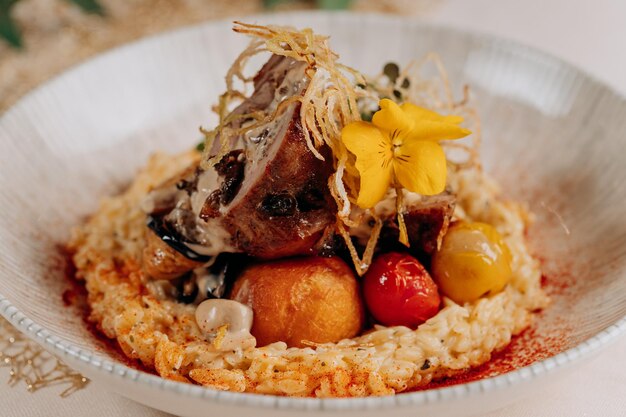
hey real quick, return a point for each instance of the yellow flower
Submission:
(401, 148)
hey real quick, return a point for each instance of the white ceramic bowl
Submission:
(554, 137)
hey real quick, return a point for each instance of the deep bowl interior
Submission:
(553, 137)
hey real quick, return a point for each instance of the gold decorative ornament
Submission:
(28, 363)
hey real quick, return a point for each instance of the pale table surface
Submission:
(590, 34)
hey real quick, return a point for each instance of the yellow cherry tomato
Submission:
(473, 262)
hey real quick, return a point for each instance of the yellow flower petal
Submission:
(362, 138)
(435, 131)
(373, 154)
(375, 180)
(420, 167)
(391, 117)
(416, 122)
(420, 113)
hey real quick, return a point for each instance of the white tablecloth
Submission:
(590, 34)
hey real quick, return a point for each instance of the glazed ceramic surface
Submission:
(553, 137)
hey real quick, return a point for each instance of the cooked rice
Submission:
(163, 334)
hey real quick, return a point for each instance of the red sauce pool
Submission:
(75, 296)
(524, 349)
(531, 346)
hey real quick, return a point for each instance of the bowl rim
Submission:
(64, 348)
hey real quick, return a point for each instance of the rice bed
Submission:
(163, 334)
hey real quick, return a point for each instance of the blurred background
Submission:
(40, 38)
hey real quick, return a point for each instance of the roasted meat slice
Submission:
(426, 220)
(283, 206)
(267, 197)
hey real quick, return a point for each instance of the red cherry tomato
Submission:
(399, 291)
